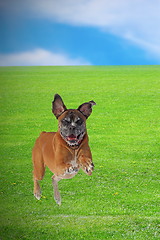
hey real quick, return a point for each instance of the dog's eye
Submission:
(79, 121)
(65, 121)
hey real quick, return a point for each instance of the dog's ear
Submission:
(58, 106)
(86, 108)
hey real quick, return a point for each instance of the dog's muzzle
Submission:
(72, 140)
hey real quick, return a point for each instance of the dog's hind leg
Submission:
(37, 190)
(38, 171)
(57, 196)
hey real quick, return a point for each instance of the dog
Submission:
(66, 151)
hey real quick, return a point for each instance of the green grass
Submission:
(121, 199)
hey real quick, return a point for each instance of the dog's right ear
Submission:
(58, 106)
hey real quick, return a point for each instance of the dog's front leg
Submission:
(57, 196)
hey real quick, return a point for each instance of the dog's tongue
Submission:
(71, 137)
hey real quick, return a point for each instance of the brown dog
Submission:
(66, 151)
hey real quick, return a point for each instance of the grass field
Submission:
(121, 199)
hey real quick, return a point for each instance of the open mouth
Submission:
(73, 140)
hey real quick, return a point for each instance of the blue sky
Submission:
(84, 32)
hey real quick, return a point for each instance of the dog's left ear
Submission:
(86, 108)
(58, 106)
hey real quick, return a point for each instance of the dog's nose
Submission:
(72, 127)
(73, 124)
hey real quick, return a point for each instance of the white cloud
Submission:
(135, 20)
(151, 47)
(39, 57)
(138, 21)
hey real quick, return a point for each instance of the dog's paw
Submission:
(89, 169)
(57, 198)
(72, 170)
(37, 195)
(87, 166)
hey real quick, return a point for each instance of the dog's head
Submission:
(72, 122)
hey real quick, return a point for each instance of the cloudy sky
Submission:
(83, 32)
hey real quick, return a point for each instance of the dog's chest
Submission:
(74, 161)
